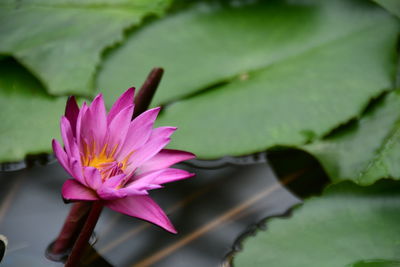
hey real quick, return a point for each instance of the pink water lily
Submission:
(116, 160)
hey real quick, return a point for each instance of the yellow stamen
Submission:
(102, 160)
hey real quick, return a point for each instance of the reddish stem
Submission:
(147, 91)
(83, 238)
(71, 228)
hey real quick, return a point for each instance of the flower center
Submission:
(104, 162)
(110, 169)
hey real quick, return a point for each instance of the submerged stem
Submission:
(83, 238)
(71, 228)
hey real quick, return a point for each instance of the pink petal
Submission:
(68, 138)
(79, 123)
(70, 164)
(92, 177)
(72, 112)
(119, 126)
(95, 127)
(72, 151)
(164, 159)
(77, 171)
(73, 190)
(142, 184)
(158, 139)
(108, 189)
(142, 207)
(162, 132)
(109, 193)
(154, 179)
(139, 132)
(114, 181)
(172, 175)
(123, 101)
(61, 156)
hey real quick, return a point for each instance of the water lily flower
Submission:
(117, 160)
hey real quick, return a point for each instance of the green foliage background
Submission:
(241, 77)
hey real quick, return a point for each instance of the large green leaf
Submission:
(293, 70)
(368, 149)
(208, 44)
(29, 117)
(62, 41)
(392, 6)
(348, 225)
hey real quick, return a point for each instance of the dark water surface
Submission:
(210, 211)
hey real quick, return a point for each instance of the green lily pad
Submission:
(291, 72)
(347, 224)
(393, 6)
(61, 41)
(368, 149)
(29, 116)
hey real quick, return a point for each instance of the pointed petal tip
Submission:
(71, 99)
(180, 154)
(72, 112)
(152, 111)
(124, 100)
(151, 114)
(190, 155)
(142, 207)
(168, 226)
(165, 159)
(129, 94)
(71, 105)
(59, 152)
(172, 230)
(99, 97)
(170, 175)
(173, 128)
(71, 102)
(53, 142)
(190, 174)
(165, 131)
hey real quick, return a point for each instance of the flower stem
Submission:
(71, 228)
(83, 238)
(147, 91)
